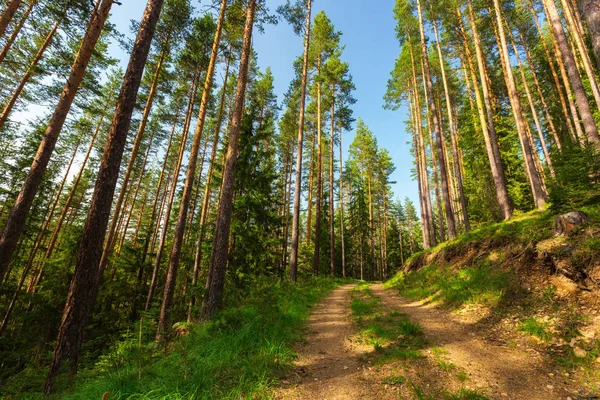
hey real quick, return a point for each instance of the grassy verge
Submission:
(241, 354)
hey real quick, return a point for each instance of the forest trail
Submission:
(332, 364)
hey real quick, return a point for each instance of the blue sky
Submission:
(371, 48)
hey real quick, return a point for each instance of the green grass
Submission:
(535, 328)
(479, 284)
(240, 354)
(391, 333)
(395, 380)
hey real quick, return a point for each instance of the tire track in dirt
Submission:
(503, 372)
(330, 366)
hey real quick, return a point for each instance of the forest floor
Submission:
(366, 342)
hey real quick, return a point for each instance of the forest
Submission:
(172, 228)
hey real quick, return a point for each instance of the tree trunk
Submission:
(577, 36)
(218, 257)
(319, 203)
(311, 175)
(19, 89)
(112, 231)
(298, 183)
(541, 94)
(86, 279)
(489, 130)
(63, 214)
(430, 240)
(7, 14)
(342, 210)
(453, 135)
(208, 191)
(173, 190)
(331, 189)
(438, 133)
(591, 10)
(18, 215)
(536, 120)
(39, 240)
(535, 180)
(589, 125)
(189, 182)
(424, 216)
(11, 40)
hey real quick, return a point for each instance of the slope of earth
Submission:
(519, 285)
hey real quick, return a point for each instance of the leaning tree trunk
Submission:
(11, 40)
(208, 192)
(589, 125)
(438, 133)
(577, 37)
(112, 230)
(189, 183)
(489, 130)
(535, 179)
(591, 10)
(429, 240)
(171, 197)
(18, 215)
(218, 257)
(87, 277)
(54, 237)
(298, 185)
(19, 89)
(7, 14)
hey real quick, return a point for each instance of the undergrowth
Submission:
(240, 354)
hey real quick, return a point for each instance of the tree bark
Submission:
(298, 183)
(589, 125)
(208, 191)
(87, 277)
(539, 195)
(218, 257)
(453, 135)
(18, 215)
(451, 225)
(577, 36)
(7, 15)
(331, 189)
(110, 237)
(591, 10)
(319, 202)
(11, 40)
(189, 182)
(169, 201)
(342, 210)
(489, 130)
(311, 175)
(430, 240)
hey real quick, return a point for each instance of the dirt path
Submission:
(503, 372)
(330, 366)
(333, 366)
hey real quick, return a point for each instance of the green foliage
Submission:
(535, 328)
(243, 351)
(480, 284)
